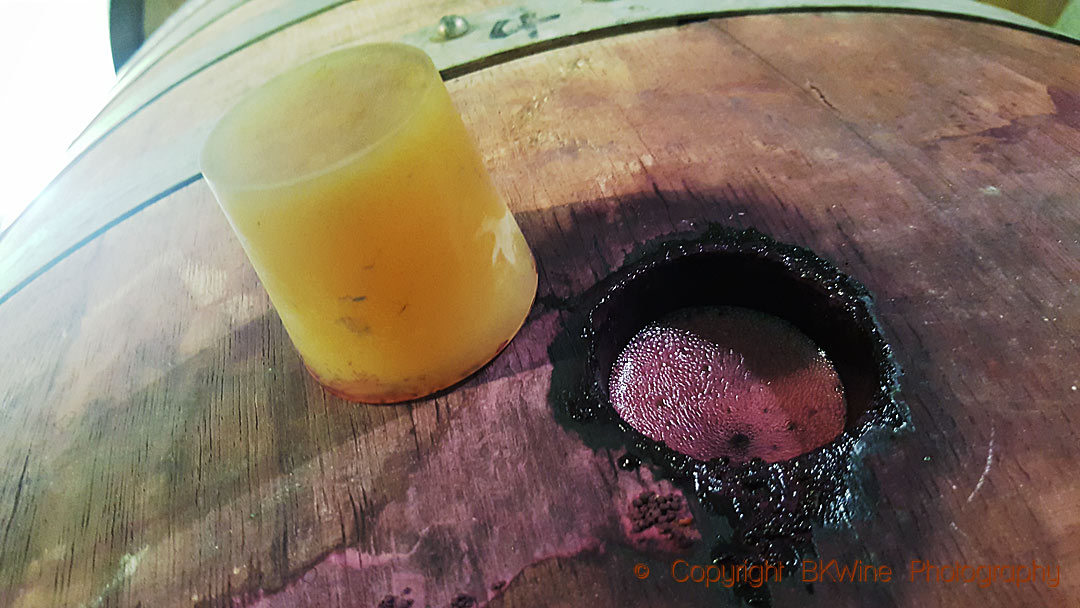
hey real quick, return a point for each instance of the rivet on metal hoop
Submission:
(453, 26)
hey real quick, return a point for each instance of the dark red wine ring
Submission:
(772, 496)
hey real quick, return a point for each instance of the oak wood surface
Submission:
(161, 445)
(149, 134)
(187, 49)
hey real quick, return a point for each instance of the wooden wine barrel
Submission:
(161, 444)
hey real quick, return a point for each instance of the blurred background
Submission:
(55, 74)
(61, 58)
(1043, 11)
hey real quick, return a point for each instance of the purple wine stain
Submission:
(728, 382)
(653, 356)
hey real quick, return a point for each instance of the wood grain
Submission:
(230, 32)
(132, 154)
(160, 443)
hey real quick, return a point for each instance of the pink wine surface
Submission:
(730, 382)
